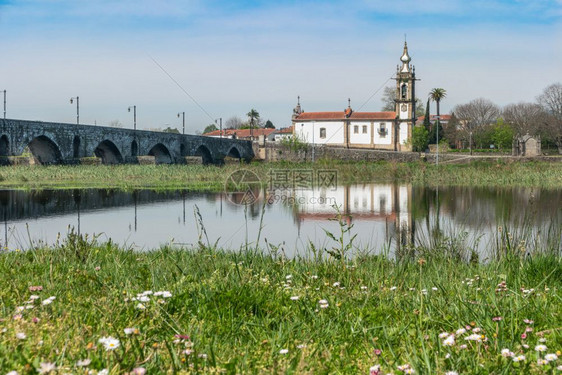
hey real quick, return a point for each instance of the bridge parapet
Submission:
(60, 143)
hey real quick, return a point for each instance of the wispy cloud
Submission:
(232, 56)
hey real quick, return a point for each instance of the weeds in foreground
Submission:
(206, 311)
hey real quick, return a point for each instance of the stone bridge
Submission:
(58, 143)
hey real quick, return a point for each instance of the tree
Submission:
(551, 101)
(269, 125)
(525, 118)
(253, 117)
(388, 99)
(427, 117)
(436, 132)
(233, 122)
(210, 128)
(502, 135)
(171, 130)
(420, 138)
(437, 94)
(452, 133)
(475, 118)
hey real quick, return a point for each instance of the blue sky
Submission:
(234, 56)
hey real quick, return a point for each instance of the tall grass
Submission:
(199, 177)
(250, 312)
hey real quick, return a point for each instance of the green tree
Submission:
(210, 128)
(427, 117)
(269, 125)
(171, 130)
(437, 94)
(420, 138)
(253, 117)
(435, 132)
(502, 135)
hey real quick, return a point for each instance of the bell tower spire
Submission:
(405, 100)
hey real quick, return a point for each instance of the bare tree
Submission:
(525, 118)
(233, 122)
(476, 115)
(551, 101)
(388, 97)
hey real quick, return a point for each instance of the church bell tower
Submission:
(405, 102)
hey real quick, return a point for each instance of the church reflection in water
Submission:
(393, 215)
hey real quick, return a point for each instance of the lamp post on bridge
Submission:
(77, 108)
(220, 126)
(134, 115)
(183, 122)
(4, 104)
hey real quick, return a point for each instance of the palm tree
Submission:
(436, 95)
(253, 115)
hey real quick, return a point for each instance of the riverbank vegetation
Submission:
(82, 305)
(212, 178)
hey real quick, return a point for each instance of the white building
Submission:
(377, 130)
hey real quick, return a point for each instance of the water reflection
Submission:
(385, 216)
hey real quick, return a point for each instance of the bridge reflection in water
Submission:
(385, 216)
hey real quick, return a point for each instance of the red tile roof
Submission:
(308, 116)
(240, 133)
(288, 130)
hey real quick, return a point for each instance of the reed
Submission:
(212, 178)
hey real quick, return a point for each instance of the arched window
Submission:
(404, 91)
(322, 132)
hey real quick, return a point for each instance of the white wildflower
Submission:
(449, 341)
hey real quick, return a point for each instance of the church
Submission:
(375, 130)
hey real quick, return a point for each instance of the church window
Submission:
(382, 129)
(356, 129)
(322, 132)
(404, 91)
(364, 129)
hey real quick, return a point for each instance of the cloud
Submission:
(235, 56)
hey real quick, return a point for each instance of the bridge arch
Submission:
(161, 154)
(4, 145)
(44, 150)
(205, 154)
(182, 149)
(234, 153)
(134, 148)
(108, 152)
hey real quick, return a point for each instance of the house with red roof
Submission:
(353, 129)
(246, 134)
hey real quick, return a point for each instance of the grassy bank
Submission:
(211, 178)
(207, 311)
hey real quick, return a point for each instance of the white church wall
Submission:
(360, 132)
(381, 138)
(333, 132)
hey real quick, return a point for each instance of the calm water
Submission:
(384, 216)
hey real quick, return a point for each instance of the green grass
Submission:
(212, 178)
(237, 310)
